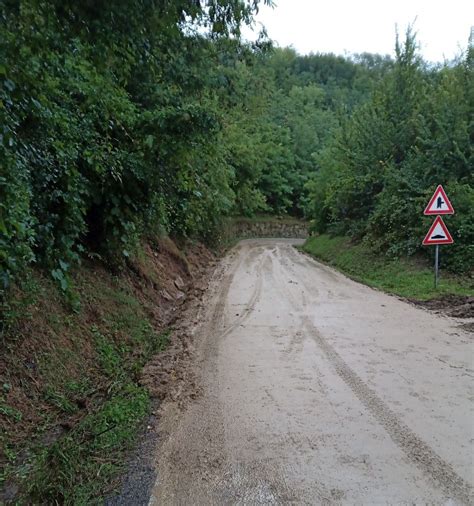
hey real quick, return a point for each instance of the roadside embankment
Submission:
(406, 277)
(73, 394)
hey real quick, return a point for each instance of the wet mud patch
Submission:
(467, 327)
(457, 306)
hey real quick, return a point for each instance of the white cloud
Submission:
(356, 26)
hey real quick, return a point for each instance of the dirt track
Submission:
(318, 390)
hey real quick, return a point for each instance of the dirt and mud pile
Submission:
(457, 306)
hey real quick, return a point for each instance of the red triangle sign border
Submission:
(427, 241)
(438, 192)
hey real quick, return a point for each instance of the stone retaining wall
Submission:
(253, 229)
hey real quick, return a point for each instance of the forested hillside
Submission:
(126, 119)
(381, 165)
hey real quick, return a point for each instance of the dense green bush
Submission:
(111, 126)
(379, 170)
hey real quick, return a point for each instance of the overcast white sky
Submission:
(355, 26)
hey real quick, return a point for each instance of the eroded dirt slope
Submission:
(60, 367)
(315, 389)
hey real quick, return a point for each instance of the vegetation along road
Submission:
(317, 389)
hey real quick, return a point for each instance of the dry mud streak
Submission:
(318, 390)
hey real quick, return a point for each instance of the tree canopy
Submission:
(126, 119)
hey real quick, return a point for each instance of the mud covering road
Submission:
(318, 390)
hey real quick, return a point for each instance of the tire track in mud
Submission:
(200, 450)
(417, 451)
(410, 443)
(249, 307)
(299, 300)
(225, 282)
(217, 314)
(286, 267)
(302, 259)
(233, 480)
(276, 275)
(323, 291)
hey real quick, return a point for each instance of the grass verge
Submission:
(80, 466)
(405, 277)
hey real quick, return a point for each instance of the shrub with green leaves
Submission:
(110, 127)
(380, 169)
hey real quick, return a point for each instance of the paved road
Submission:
(318, 390)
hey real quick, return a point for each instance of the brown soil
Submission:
(49, 343)
(458, 306)
(168, 374)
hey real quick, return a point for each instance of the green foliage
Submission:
(282, 110)
(111, 126)
(16, 237)
(382, 165)
(120, 119)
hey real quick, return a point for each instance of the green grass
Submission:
(101, 396)
(80, 467)
(405, 277)
(10, 412)
(75, 469)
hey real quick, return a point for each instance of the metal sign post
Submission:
(438, 232)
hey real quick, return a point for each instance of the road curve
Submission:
(318, 390)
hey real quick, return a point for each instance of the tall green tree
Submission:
(380, 168)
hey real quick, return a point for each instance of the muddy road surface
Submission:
(318, 390)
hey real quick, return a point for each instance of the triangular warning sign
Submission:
(438, 233)
(439, 203)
